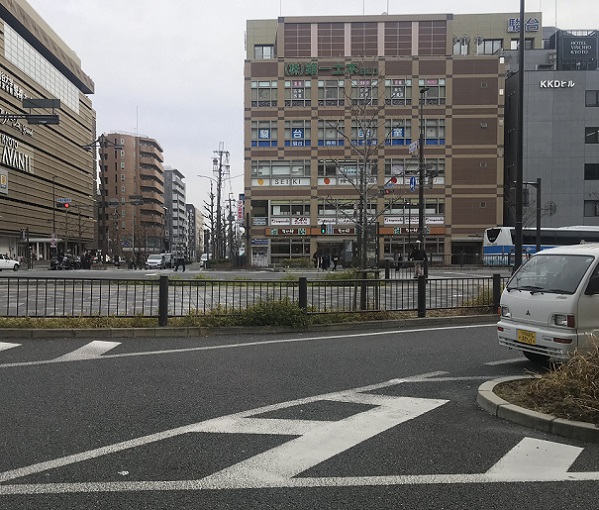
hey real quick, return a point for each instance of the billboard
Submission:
(577, 52)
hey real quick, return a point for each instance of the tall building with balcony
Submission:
(334, 108)
(43, 164)
(174, 201)
(131, 217)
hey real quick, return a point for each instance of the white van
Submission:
(550, 306)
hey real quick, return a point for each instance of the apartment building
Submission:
(131, 212)
(174, 202)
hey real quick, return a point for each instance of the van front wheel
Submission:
(536, 358)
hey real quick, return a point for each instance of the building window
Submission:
(398, 131)
(434, 131)
(591, 135)
(489, 46)
(398, 92)
(330, 133)
(331, 39)
(365, 92)
(297, 133)
(331, 93)
(347, 169)
(264, 51)
(264, 133)
(591, 172)
(591, 208)
(264, 94)
(364, 134)
(268, 169)
(591, 98)
(298, 93)
(400, 167)
(364, 39)
(461, 46)
(528, 44)
(436, 90)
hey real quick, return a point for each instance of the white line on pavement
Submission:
(505, 361)
(92, 350)
(4, 346)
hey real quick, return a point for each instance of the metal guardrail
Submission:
(163, 298)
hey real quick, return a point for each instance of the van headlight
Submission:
(504, 311)
(563, 320)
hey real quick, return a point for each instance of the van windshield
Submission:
(560, 274)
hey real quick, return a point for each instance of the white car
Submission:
(7, 263)
(155, 261)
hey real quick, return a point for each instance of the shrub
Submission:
(569, 390)
(275, 313)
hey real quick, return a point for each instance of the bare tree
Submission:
(368, 132)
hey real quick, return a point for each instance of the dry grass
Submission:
(570, 390)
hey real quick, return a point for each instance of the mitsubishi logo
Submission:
(527, 312)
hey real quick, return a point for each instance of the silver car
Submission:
(155, 261)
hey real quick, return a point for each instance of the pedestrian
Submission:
(397, 260)
(315, 259)
(335, 261)
(326, 262)
(418, 255)
(180, 260)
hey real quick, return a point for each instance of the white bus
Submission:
(499, 242)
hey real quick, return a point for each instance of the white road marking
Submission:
(4, 346)
(532, 460)
(506, 361)
(535, 456)
(91, 350)
(252, 344)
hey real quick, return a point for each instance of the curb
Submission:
(496, 406)
(166, 332)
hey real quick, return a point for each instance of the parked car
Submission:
(7, 262)
(155, 261)
(204, 259)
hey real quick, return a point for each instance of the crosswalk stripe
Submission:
(92, 350)
(4, 346)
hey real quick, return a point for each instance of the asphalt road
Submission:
(254, 274)
(356, 421)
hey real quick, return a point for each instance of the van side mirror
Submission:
(593, 286)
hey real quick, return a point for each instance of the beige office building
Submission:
(312, 84)
(41, 164)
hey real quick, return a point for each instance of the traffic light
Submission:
(323, 229)
(63, 205)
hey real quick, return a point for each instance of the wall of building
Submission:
(42, 163)
(466, 97)
(555, 148)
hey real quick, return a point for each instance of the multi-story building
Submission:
(195, 232)
(561, 131)
(41, 164)
(174, 201)
(310, 163)
(131, 216)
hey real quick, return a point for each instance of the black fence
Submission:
(164, 297)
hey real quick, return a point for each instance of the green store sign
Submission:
(341, 69)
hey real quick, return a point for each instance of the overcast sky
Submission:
(174, 70)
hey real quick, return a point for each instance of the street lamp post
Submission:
(421, 209)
